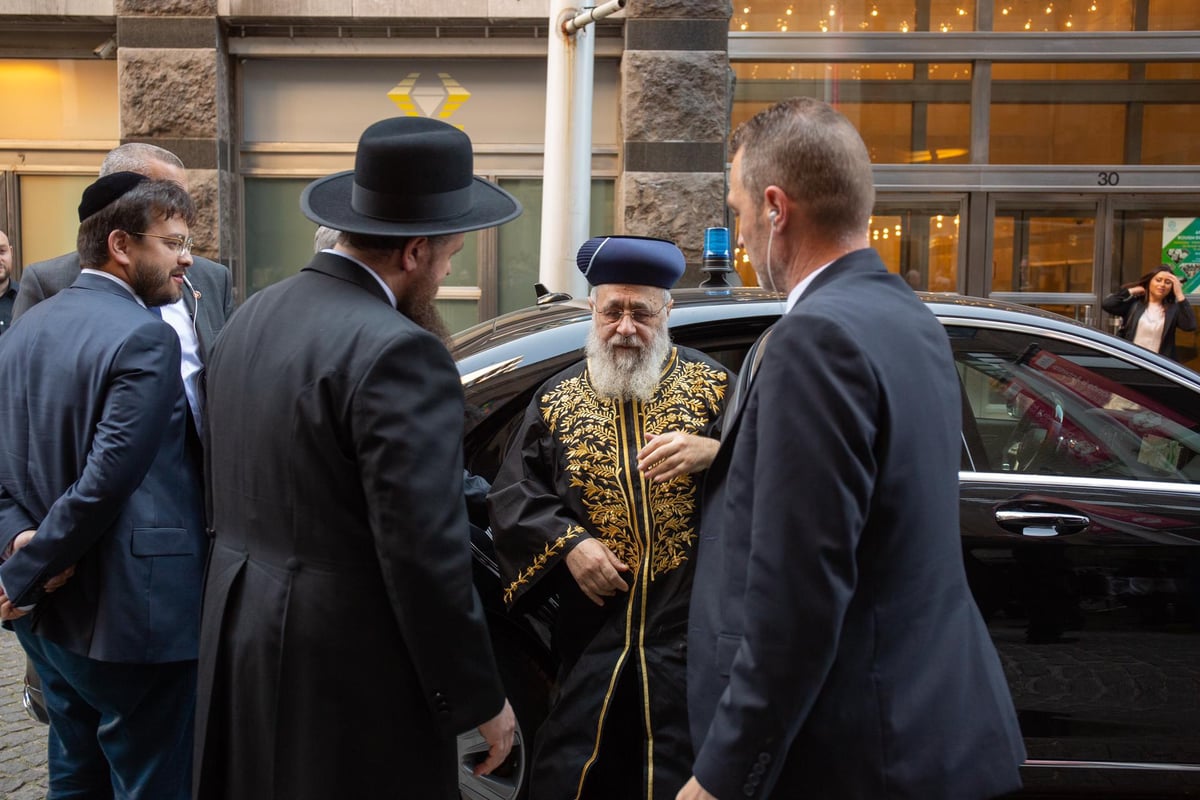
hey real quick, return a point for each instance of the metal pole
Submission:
(567, 168)
(593, 14)
(553, 263)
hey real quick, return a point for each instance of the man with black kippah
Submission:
(596, 502)
(100, 488)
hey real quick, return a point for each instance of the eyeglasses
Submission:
(641, 316)
(176, 244)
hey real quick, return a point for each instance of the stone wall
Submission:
(175, 93)
(675, 88)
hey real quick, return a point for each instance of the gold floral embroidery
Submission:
(595, 449)
(539, 561)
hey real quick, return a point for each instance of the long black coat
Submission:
(834, 650)
(342, 644)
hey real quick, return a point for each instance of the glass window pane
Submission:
(947, 134)
(520, 240)
(1062, 15)
(279, 238)
(62, 99)
(906, 113)
(464, 267)
(49, 216)
(458, 314)
(1113, 71)
(1174, 15)
(519, 246)
(849, 16)
(1173, 71)
(1169, 133)
(1027, 133)
(922, 246)
(1051, 407)
(1035, 251)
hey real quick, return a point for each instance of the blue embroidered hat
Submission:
(638, 260)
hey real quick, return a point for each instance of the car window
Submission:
(1036, 404)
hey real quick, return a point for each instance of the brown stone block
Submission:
(168, 93)
(167, 8)
(676, 206)
(686, 9)
(204, 187)
(674, 96)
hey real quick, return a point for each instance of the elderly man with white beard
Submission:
(596, 502)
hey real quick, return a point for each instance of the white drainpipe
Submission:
(567, 170)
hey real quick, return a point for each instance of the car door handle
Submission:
(1041, 523)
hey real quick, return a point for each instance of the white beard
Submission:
(626, 375)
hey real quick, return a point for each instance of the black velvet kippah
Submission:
(105, 190)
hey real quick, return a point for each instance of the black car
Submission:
(1080, 517)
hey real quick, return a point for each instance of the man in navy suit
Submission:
(96, 477)
(207, 297)
(834, 648)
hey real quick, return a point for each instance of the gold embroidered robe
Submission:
(571, 473)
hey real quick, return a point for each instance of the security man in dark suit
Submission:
(834, 648)
(97, 478)
(343, 646)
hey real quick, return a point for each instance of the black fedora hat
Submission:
(412, 176)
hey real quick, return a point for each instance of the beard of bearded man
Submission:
(156, 288)
(626, 374)
(419, 305)
(425, 314)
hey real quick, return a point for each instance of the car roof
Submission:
(546, 330)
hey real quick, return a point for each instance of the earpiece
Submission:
(774, 213)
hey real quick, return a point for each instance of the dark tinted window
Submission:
(1041, 405)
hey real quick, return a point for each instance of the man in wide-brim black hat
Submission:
(342, 644)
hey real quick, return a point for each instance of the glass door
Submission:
(919, 240)
(1045, 255)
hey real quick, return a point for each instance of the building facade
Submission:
(1031, 150)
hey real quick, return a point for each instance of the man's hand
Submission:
(497, 732)
(19, 541)
(596, 570)
(7, 610)
(692, 790)
(669, 455)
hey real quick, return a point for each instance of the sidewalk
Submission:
(22, 741)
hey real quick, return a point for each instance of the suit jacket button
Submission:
(758, 770)
(764, 758)
(748, 790)
(292, 564)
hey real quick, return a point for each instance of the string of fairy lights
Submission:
(825, 16)
(882, 230)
